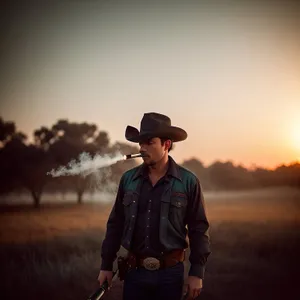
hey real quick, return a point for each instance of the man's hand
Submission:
(103, 275)
(194, 285)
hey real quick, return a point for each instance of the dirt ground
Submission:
(54, 252)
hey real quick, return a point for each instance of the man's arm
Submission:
(198, 232)
(114, 229)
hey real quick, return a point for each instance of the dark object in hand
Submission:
(101, 290)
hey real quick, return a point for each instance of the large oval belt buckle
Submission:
(151, 263)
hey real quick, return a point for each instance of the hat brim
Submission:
(173, 133)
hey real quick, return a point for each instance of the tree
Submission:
(8, 132)
(288, 175)
(263, 177)
(8, 180)
(101, 142)
(25, 166)
(229, 177)
(35, 162)
(11, 143)
(66, 141)
(43, 137)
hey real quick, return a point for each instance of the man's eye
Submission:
(147, 142)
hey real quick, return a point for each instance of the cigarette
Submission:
(128, 156)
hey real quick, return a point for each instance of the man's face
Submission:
(154, 150)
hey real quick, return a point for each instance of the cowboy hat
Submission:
(155, 125)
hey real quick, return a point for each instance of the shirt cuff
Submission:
(197, 270)
(106, 265)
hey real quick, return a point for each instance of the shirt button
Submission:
(150, 200)
(132, 216)
(149, 210)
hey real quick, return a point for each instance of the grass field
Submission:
(54, 252)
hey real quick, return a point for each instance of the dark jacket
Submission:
(182, 215)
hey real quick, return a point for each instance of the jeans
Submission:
(164, 284)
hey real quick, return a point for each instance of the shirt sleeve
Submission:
(114, 229)
(198, 232)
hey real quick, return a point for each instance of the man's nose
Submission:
(142, 147)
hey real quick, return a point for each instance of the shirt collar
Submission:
(173, 170)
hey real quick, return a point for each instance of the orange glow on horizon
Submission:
(296, 137)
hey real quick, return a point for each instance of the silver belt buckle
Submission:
(151, 263)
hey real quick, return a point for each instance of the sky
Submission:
(228, 72)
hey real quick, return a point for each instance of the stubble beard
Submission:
(151, 163)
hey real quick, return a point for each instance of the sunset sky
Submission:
(227, 72)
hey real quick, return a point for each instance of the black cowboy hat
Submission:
(155, 125)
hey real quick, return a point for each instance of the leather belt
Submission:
(155, 263)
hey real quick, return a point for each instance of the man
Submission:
(159, 206)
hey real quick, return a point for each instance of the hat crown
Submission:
(155, 125)
(153, 121)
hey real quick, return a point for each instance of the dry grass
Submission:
(54, 252)
(23, 225)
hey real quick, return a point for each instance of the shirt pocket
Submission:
(128, 199)
(129, 204)
(178, 200)
(178, 204)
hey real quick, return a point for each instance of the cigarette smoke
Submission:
(87, 165)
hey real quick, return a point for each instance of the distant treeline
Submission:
(227, 176)
(24, 165)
